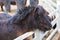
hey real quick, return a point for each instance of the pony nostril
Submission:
(50, 27)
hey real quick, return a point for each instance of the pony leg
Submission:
(20, 4)
(7, 5)
(2, 7)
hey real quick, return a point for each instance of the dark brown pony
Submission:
(27, 19)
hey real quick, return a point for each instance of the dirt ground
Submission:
(56, 36)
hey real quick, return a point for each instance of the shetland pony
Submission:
(26, 20)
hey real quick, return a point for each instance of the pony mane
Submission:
(21, 14)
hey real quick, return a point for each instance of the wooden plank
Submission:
(24, 36)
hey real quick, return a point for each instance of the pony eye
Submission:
(37, 17)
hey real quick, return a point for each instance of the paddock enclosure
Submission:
(53, 7)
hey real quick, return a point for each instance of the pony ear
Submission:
(42, 10)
